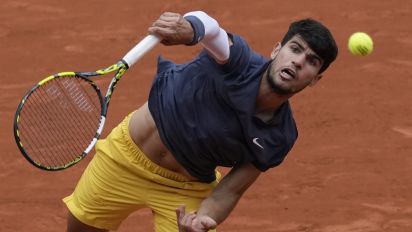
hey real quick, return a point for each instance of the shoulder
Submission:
(241, 54)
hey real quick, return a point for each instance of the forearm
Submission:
(227, 193)
(218, 206)
(223, 199)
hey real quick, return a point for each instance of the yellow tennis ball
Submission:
(360, 44)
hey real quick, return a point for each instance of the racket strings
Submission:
(28, 125)
(37, 127)
(59, 120)
(55, 137)
(73, 119)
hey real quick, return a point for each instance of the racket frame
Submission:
(120, 68)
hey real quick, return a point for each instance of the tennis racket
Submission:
(61, 117)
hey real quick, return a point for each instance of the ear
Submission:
(275, 50)
(315, 80)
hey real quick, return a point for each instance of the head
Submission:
(305, 52)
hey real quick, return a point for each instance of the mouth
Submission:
(288, 74)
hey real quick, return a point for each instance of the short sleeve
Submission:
(240, 54)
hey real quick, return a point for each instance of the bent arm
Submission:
(228, 192)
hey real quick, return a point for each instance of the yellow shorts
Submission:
(120, 179)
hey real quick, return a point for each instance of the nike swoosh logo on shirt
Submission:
(256, 142)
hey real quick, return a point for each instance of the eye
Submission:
(295, 49)
(313, 61)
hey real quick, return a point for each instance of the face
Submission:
(294, 67)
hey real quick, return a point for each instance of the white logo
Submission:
(256, 142)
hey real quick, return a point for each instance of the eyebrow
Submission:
(313, 55)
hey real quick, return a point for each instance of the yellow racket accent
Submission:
(109, 69)
(66, 74)
(45, 80)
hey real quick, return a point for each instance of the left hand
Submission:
(192, 222)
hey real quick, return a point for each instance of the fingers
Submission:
(172, 28)
(208, 223)
(188, 219)
(193, 223)
(180, 212)
(184, 221)
(166, 23)
(170, 15)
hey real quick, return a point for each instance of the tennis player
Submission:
(226, 107)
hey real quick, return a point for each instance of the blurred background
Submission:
(350, 170)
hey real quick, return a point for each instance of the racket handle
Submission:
(141, 49)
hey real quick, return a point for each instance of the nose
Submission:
(298, 60)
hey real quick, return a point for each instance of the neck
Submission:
(267, 103)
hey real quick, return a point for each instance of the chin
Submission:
(280, 89)
(277, 84)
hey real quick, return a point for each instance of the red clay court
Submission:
(351, 168)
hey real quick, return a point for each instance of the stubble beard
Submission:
(275, 87)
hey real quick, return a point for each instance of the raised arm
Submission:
(192, 28)
(217, 207)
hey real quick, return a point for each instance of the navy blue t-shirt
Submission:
(205, 113)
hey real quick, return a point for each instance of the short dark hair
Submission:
(318, 37)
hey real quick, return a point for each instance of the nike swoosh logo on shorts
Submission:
(256, 142)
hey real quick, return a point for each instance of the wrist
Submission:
(198, 29)
(207, 31)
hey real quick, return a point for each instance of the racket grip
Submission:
(141, 49)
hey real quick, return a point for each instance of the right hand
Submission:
(172, 28)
